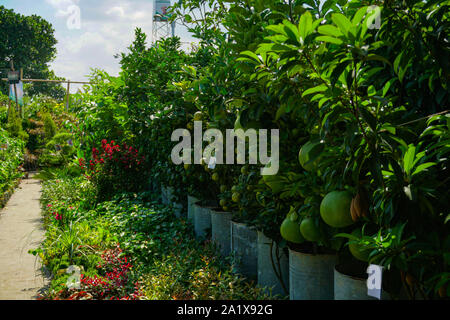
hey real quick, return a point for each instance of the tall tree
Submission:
(30, 42)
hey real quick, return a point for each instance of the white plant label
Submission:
(74, 281)
(212, 163)
(374, 281)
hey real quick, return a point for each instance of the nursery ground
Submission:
(21, 229)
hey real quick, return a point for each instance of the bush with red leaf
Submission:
(114, 283)
(114, 168)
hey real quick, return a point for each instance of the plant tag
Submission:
(212, 163)
(374, 281)
(74, 281)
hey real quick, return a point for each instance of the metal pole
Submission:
(67, 98)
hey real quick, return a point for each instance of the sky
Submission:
(105, 28)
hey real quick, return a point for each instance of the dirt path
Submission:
(21, 230)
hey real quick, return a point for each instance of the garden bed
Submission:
(129, 248)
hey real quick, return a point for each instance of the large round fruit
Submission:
(335, 209)
(309, 230)
(223, 203)
(236, 197)
(290, 231)
(304, 156)
(244, 170)
(223, 188)
(215, 177)
(358, 251)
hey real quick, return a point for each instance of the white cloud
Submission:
(107, 28)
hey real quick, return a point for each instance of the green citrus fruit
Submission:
(244, 170)
(223, 188)
(223, 203)
(335, 209)
(236, 197)
(304, 156)
(310, 230)
(290, 231)
(234, 189)
(358, 251)
(215, 177)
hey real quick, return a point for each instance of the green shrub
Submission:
(14, 125)
(49, 126)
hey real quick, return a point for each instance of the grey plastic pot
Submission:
(352, 288)
(163, 194)
(169, 195)
(220, 230)
(202, 220)
(190, 210)
(178, 208)
(273, 266)
(244, 243)
(311, 277)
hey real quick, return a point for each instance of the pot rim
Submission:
(312, 254)
(347, 275)
(220, 212)
(253, 228)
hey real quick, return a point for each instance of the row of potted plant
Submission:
(294, 271)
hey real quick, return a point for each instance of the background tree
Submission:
(30, 42)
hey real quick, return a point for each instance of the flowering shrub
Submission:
(114, 168)
(114, 284)
(61, 213)
(113, 281)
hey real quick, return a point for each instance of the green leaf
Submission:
(329, 39)
(291, 31)
(320, 88)
(408, 159)
(422, 167)
(359, 15)
(330, 30)
(337, 71)
(378, 58)
(397, 62)
(251, 55)
(342, 22)
(369, 118)
(305, 26)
